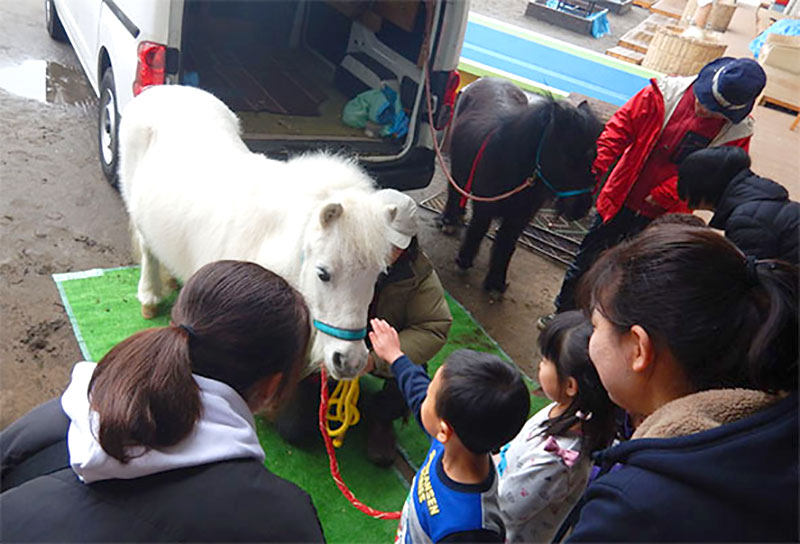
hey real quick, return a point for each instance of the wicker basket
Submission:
(674, 54)
(719, 18)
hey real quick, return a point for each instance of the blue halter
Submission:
(342, 334)
(537, 172)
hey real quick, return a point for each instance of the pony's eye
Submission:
(323, 274)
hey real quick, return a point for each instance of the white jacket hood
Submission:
(226, 430)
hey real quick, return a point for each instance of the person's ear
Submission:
(571, 387)
(644, 351)
(444, 432)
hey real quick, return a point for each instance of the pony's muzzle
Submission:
(346, 362)
(339, 361)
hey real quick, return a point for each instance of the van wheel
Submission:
(53, 22)
(108, 128)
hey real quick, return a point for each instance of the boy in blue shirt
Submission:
(475, 403)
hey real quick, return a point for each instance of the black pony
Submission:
(501, 140)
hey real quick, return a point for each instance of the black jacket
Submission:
(231, 501)
(734, 483)
(757, 215)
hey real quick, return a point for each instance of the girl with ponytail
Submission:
(160, 435)
(701, 343)
(544, 469)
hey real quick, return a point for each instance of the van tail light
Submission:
(448, 100)
(151, 67)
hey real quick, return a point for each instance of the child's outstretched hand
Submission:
(385, 341)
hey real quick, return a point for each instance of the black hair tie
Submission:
(189, 330)
(750, 264)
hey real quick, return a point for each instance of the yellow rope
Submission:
(342, 409)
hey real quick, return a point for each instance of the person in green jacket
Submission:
(410, 297)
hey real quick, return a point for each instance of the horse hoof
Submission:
(461, 267)
(446, 225)
(448, 230)
(149, 311)
(495, 296)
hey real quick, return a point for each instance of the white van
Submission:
(287, 67)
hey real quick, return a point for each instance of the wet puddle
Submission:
(47, 82)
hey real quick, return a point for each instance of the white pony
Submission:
(196, 194)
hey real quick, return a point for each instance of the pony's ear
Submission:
(391, 212)
(329, 213)
(596, 126)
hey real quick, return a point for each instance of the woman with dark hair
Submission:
(160, 437)
(755, 213)
(702, 343)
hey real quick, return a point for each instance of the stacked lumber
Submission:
(633, 45)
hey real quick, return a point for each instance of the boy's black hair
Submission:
(705, 174)
(483, 399)
(565, 343)
(685, 219)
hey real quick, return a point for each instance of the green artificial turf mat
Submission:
(103, 309)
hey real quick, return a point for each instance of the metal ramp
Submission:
(547, 234)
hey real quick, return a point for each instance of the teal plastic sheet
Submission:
(379, 106)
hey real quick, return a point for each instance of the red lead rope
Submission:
(334, 464)
(468, 187)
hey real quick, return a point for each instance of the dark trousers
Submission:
(600, 237)
(388, 404)
(298, 421)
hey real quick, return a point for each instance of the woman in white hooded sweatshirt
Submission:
(157, 442)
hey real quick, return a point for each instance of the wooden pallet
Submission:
(669, 8)
(765, 99)
(654, 20)
(637, 39)
(623, 53)
(644, 3)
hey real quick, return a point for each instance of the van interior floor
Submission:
(269, 82)
(280, 93)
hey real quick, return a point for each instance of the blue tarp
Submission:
(784, 27)
(549, 66)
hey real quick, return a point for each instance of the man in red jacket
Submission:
(647, 138)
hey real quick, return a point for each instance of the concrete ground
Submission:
(57, 213)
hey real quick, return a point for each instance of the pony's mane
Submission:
(329, 177)
(585, 121)
(361, 229)
(326, 173)
(522, 129)
(583, 125)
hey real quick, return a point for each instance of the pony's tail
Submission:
(135, 135)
